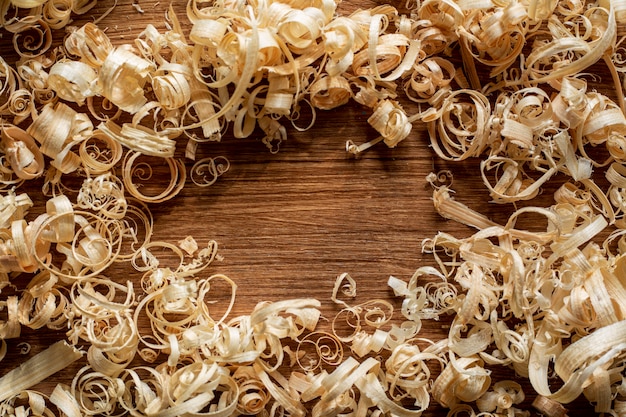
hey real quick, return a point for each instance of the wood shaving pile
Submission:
(550, 304)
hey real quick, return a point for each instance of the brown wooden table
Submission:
(289, 223)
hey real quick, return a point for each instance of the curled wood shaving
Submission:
(122, 76)
(32, 36)
(461, 126)
(58, 129)
(44, 303)
(23, 154)
(140, 139)
(206, 171)
(73, 81)
(143, 171)
(89, 43)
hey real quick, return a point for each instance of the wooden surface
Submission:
(288, 223)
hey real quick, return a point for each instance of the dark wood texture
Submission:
(288, 223)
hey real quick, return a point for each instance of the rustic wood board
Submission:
(288, 223)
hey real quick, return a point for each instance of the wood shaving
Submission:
(138, 7)
(37, 368)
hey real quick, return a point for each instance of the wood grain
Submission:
(288, 223)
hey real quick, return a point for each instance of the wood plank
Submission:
(289, 223)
